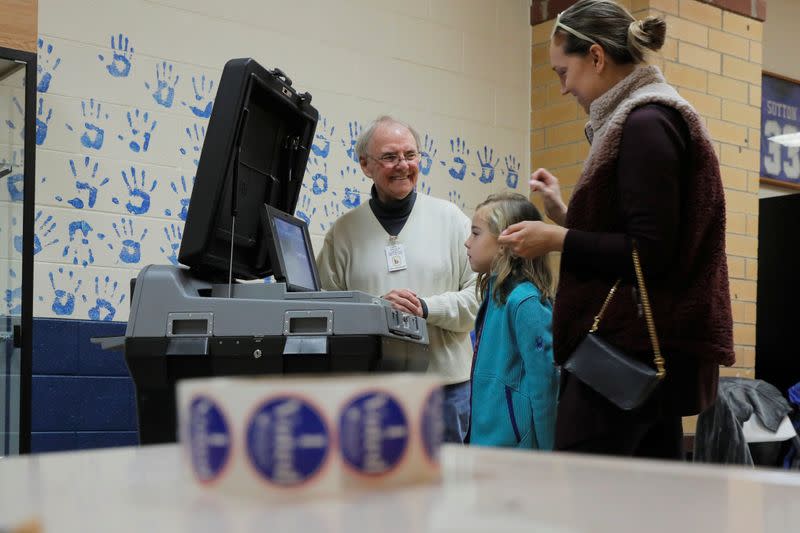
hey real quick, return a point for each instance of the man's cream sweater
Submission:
(354, 258)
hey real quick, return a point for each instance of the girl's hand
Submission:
(531, 239)
(546, 184)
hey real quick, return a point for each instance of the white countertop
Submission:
(145, 490)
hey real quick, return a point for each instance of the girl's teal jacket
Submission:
(514, 379)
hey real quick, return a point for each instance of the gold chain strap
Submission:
(658, 360)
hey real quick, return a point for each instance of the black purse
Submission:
(621, 379)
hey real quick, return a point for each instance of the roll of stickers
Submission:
(284, 436)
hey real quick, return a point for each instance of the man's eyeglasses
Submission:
(391, 160)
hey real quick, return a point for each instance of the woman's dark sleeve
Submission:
(653, 157)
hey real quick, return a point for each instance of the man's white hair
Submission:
(366, 135)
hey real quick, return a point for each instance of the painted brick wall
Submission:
(82, 396)
(126, 88)
(124, 95)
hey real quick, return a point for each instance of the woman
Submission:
(651, 179)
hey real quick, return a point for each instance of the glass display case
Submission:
(17, 159)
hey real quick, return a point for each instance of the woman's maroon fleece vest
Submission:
(691, 306)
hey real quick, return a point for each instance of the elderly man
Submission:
(409, 248)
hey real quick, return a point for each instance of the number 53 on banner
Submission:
(780, 130)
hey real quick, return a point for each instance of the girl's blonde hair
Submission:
(500, 211)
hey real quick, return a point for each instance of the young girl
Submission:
(514, 380)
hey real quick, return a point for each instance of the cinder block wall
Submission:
(125, 92)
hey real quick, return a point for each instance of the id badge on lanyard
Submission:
(395, 255)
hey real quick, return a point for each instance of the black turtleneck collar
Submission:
(393, 214)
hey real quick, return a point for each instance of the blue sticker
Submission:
(287, 441)
(209, 439)
(373, 431)
(433, 424)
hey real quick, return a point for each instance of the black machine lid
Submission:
(261, 122)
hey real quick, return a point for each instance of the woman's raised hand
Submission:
(531, 239)
(544, 183)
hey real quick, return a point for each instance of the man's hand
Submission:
(404, 300)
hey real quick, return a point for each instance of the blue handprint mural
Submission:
(423, 187)
(94, 125)
(352, 198)
(106, 299)
(17, 237)
(195, 135)
(141, 128)
(332, 211)
(164, 86)
(349, 175)
(138, 192)
(12, 124)
(319, 181)
(46, 65)
(43, 231)
(512, 171)
(203, 97)
(122, 55)
(304, 209)
(42, 121)
(321, 147)
(427, 154)
(458, 163)
(78, 246)
(488, 163)
(455, 197)
(184, 195)
(86, 182)
(15, 182)
(13, 296)
(65, 286)
(174, 235)
(354, 130)
(129, 246)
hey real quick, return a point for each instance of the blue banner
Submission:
(780, 115)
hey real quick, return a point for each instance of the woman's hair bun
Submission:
(649, 32)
